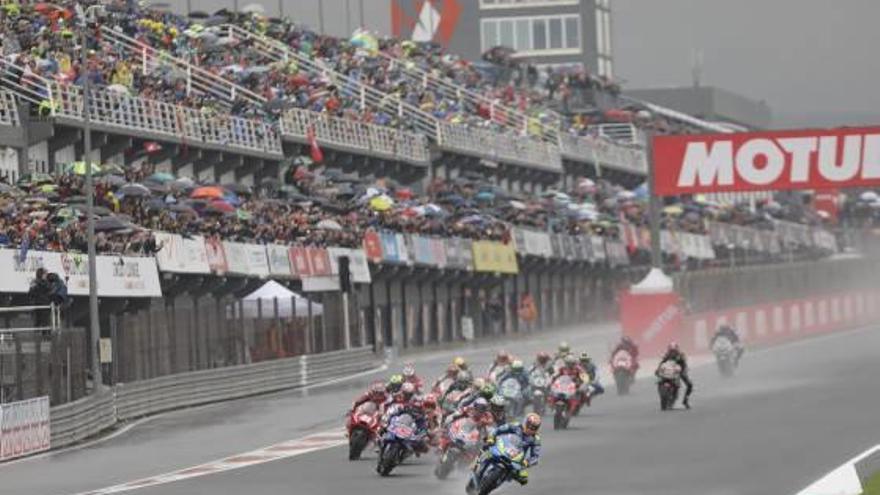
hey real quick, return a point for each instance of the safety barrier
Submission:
(604, 153)
(76, 421)
(334, 131)
(87, 417)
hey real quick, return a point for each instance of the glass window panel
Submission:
(522, 35)
(572, 32)
(539, 34)
(555, 32)
(490, 34)
(506, 33)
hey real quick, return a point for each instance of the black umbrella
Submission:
(106, 224)
(198, 14)
(238, 188)
(134, 190)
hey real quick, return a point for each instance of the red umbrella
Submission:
(208, 192)
(403, 194)
(221, 206)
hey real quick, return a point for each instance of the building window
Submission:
(552, 35)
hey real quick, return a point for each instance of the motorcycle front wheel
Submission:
(357, 443)
(445, 465)
(388, 458)
(491, 480)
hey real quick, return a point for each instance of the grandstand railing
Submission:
(510, 118)
(198, 80)
(604, 152)
(9, 109)
(352, 134)
(621, 133)
(141, 115)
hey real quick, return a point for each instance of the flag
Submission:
(317, 154)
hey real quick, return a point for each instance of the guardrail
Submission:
(604, 153)
(90, 416)
(502, 147)
(346, 133)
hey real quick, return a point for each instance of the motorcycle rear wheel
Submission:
(445, 465)
(560, 420)
(357, 443)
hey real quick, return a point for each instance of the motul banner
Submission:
(764, 161)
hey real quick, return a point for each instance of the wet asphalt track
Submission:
(791, 414)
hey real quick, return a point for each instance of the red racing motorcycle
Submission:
(363, 428)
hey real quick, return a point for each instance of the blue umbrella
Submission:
(641, 191)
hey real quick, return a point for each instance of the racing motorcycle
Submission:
(623, 366)
(539, 382)
(564, 398)
(442, 386)
(725, 356)
(402, 438)
(450, 402)
(668, 384)
(363, 426)
(497, 465)
(459, 446)
(512, 391)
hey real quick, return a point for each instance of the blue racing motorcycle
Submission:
(500, 463)
(402, 437)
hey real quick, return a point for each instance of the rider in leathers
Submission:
(727, 332)
(673, 353)
(376, 394)
(627, 345)
(517, 372)
(531, 442)
(406, 402)
(592, 372)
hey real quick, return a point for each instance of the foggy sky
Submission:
(814, 61)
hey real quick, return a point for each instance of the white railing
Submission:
(622, 133)
(141, 115)
(198, 80)
(504, 115)
(352, 134)
(9, 109)
(604, 153)
(501, 147)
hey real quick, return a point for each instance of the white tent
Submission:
(289, 303)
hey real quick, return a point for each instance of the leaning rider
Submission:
(531, 442)
(627, 345)
(727, 332)
(376, 394)
(518, 372)
(592, 372)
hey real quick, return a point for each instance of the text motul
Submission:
(764, 161)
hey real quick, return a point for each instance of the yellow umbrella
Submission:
(381, 203)
(673, 210)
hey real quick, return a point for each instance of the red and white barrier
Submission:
(783, 320)
(24, 428)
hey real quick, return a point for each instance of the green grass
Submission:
(873, 486)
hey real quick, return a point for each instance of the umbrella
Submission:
(221, 206)
(48, 188)
(433, 210)
(869, 196)
(161, 177)
(381, 203)
(641, 192)
(79, 168)
(673, 210)
(243, 215)
(253, 8)
(403, 194)
(134, 190)
(34, 179)
(109, 223)
(7, 189)
(114, 180)
(626, 195)
(181, 184)
(182, 209)
(209, 192)
(519, 205)
(238, 188)
(329, 225)
(485, 196)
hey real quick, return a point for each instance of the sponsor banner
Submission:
(25, 428)
(372, 246)
(394, 248)
(767, 161)
(421, 249)
(617, 253)
(824, 240)
(458, 254)
(652, 320)
(236, 258)
(124, 276)
(535, 243)
(320, 284)
(258, 264)
(118, 276)
(300, 265)
(319, 260)
(279, 261)
(357, 263)
(216, 256)
(180, 254)
(495, 257)
(438, 252)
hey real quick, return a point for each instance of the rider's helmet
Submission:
(377, 390)
(627, 340)
(481, 405)
(532, 424)
(408, 390)
(542, 358)
(479, 383)
(487, 391)
(451, 371)
(673, 347)
(395, 382)
(569, 360)
(725, 328)
(459, 363)
(584, 358)
(564, 348)
(516, 365)
(503, 357)
(463, 377)
(409, 370)
(429, 401)
(498, 403)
